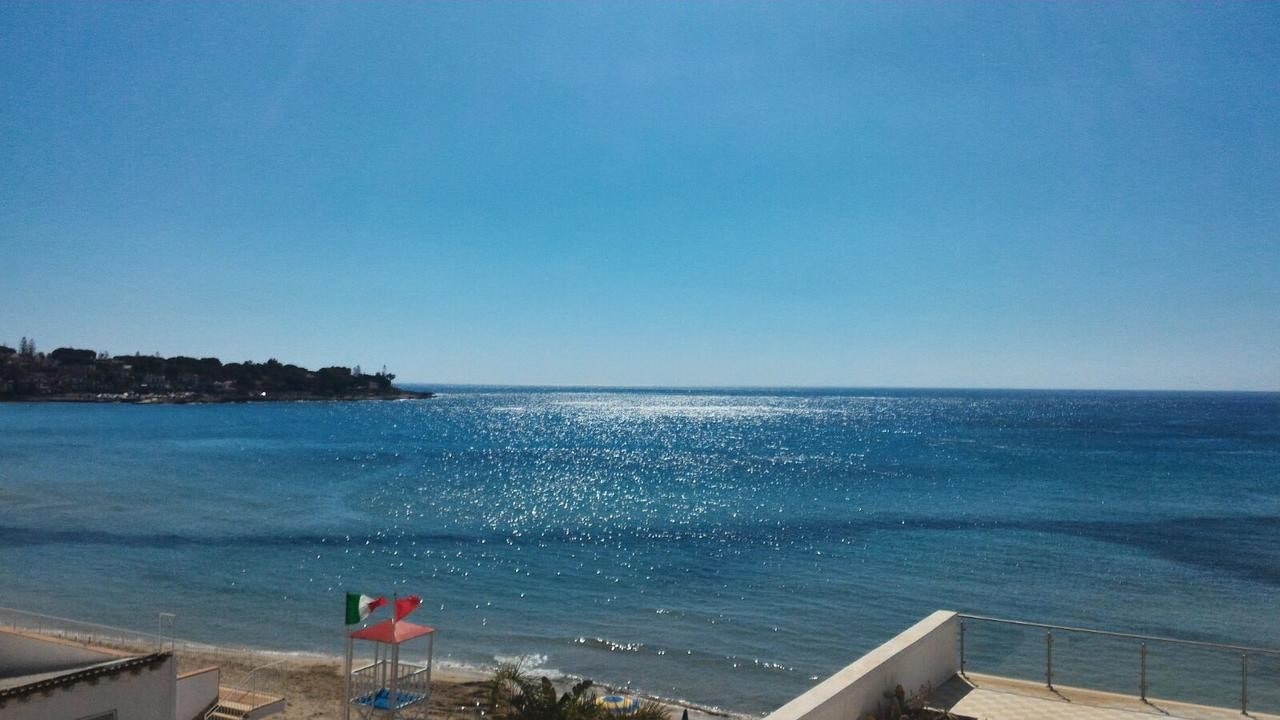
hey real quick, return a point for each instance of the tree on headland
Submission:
(73, 356)
(141, 364)
(69, 373)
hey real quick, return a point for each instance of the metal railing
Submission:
(411, 682)
(88, 632)
(251, 690)
(129, 640)
(1245, 651)
(165, 623)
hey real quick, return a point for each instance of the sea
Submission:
(724, 547)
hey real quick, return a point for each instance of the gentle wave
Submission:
(724, 546)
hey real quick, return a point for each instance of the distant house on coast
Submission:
(82, 375)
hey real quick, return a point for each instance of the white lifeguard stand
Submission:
(387, 689)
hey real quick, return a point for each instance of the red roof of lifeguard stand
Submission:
(392, 633)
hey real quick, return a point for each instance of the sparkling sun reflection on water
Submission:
(724, 547)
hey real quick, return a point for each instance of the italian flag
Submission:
(359, 606)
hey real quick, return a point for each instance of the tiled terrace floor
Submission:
(989, 697)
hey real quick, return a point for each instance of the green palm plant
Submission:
(516, 695)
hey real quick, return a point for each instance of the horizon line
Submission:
(949, 388)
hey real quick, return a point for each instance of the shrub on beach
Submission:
(517, 695)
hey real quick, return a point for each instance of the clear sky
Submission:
(1021, 195)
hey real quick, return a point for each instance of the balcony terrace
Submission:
(933, 664)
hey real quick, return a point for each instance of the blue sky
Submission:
(1021, 195)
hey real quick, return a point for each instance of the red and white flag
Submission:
(406, 605)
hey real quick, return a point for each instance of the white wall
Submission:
(196, 692)
(148, 695)
(926, 654)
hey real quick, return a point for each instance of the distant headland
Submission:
(76, 375)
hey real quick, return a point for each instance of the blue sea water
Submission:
(723, 547)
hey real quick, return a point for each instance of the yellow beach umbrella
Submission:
(620, 704)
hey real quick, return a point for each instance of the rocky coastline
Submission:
(88, 376)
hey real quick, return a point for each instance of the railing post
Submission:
(1244, 683)
(1142, 676)
(1048, 659)
(161, 620)
(962, 647)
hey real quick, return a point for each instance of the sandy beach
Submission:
(312, 683)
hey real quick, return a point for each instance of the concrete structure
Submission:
(49, 679)
(928, 661)
(919, 659)
(197, 693)
(46, 677)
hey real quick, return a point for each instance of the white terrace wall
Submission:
(197, 690)
(147, 694)
(926, 654)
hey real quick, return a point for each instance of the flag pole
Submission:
(346, 670)
(393, 652)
